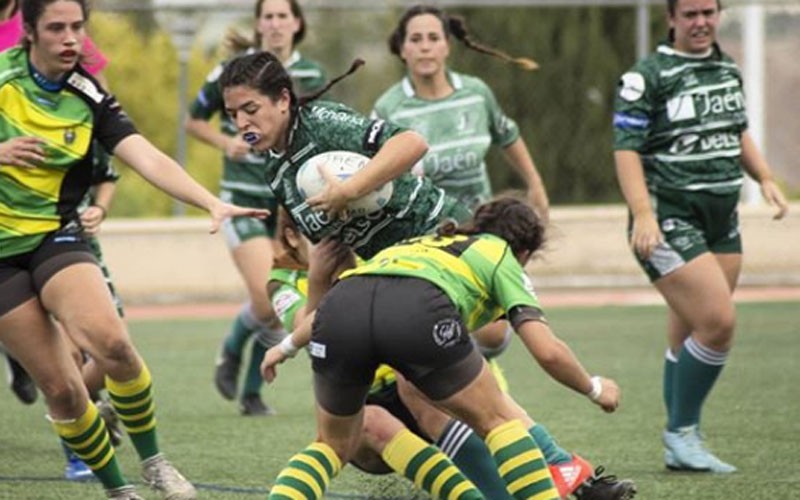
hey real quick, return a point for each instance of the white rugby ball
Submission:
(342, 164)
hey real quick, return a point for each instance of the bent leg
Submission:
(31, 336)
(520, 462)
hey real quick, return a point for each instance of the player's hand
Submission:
(26, 152)
(91, 218)
(221, 211)
(236, 148)
(609, 396)
(269, 366)
(334, 197)
(328, 258)
(774, 196)
(646, 235)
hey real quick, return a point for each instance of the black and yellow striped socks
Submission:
(88, 438)
(133, 401)
(520, 463)
(307, 475)
(428, 468)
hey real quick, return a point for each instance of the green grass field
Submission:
(752, 419)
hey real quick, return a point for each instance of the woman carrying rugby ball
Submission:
(287, 132)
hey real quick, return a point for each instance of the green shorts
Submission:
(237, 230)
(693, 223)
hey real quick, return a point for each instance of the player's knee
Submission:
(62, 394)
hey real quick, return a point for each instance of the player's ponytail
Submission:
(456, 27)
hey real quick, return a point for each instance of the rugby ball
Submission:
(342, 164)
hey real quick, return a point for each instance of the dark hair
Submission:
(236, 42)
(506, 217)
(264, 72)
(452, 25)
(5, 3)
(32, 11)
(285, 223)
(671, 6)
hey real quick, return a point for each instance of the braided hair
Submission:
(455, 26)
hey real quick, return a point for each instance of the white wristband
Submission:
(287, 347)
(597, 388)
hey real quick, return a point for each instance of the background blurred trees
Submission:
(563, 109)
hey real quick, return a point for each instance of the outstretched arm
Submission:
(164, 173)
(558, 360)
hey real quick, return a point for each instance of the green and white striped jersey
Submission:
(460, 128)
(246, 176)
(416, 205)
(684, 115)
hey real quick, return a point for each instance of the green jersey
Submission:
(416, 205)
(685, 116)
(459, 128)
(67, 117)
(246, 176)
(289, 293)
(479, 274)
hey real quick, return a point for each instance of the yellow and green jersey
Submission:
(478, 273)
(289, 295)
(37, 201)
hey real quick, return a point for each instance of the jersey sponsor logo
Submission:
(69, 136)
(703, 104)
(625, 121)
(373, 136)
(693, 143)
(681, 108)
(317, 350)
(283, 301)
(447, 332)
(326, 114)
(86, 86)
(527, 283)
(632, 86)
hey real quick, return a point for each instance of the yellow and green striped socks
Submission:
(133, 401)
(428, 468)
(520, 463)
(307, 475)
(87, 436)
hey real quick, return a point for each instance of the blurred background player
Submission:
(457, 114)
(681, 143)
(279, 27)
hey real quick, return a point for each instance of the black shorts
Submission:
(407, 323)
(23, 276)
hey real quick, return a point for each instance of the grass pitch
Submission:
(752, 418)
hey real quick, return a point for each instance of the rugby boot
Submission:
(227, 373)
(164, 478)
